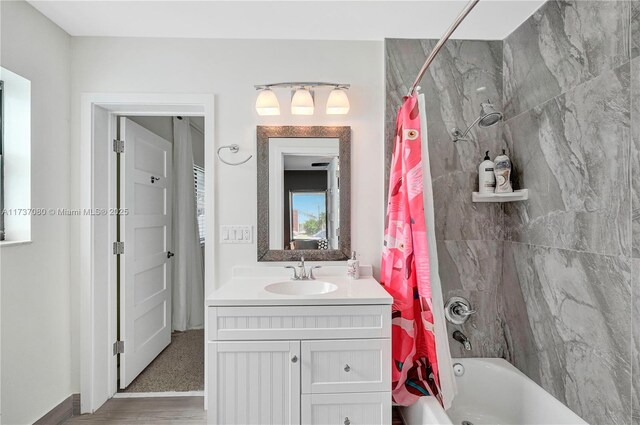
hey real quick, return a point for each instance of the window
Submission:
(308, 215)
(15, 154)
(198, 179)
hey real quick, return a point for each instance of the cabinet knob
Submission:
(347, 421)
(347, 368)
(294, 359)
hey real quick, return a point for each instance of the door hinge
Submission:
(118, 248)
(118, 347)
(118, 146)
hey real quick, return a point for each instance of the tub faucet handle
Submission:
(457, 310)
(462, 311)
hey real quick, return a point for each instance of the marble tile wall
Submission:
(571, 124)
(635, 365)
(561, 46)
(468, 234)
(635, 195)
(556, 278)
(574, 339)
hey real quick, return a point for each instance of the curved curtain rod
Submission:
(441, 42)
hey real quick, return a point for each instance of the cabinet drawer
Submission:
(346, 409)
(346, 366)
(299, 322)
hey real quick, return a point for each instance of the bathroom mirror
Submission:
(304, 188)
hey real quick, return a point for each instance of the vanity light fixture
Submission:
(267, 103)
(302, 98)
(302, 102)
(338, 102)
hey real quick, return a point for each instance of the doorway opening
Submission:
(161, 199)
(99, 315)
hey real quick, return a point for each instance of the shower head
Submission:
(488, 117)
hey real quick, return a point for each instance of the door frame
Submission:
(98, 304)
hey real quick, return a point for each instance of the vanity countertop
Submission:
(247, 290)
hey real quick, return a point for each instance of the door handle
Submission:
(170, 254)
(294, 359)
(154, 179)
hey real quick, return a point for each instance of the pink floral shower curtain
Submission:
(405, 266)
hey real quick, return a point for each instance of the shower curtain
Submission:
(188, 281)
(407, 275)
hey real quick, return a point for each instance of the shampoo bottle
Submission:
(353, 267)
(502, 166)
(486, 177)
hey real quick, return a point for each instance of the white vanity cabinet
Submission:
(299, 364)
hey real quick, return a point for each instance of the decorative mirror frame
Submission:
(343, 134)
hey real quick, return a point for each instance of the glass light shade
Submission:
(338, 102)
(302, 102)
(267, 103)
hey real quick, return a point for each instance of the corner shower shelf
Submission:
(516, 195)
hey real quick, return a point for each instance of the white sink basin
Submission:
(301, 287)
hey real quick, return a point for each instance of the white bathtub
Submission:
(492, 391)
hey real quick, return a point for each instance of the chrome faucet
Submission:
(462, 339)
(301, 273)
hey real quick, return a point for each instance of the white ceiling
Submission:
(304, 20)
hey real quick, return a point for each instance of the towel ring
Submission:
(234, 149)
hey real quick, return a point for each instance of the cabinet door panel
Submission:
(346, 409)
(346, 366)
(255, 382)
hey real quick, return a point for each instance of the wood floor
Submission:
(152, 410)
(156, 410)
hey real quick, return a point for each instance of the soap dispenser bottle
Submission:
(353, 267)
(502, 170)
(486, 177)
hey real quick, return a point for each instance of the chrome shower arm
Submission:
(460, 135)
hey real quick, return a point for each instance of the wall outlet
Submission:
(236, 234)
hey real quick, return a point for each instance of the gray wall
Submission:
(469, 235)
(551, 277)
(568, 250)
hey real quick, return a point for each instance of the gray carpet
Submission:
(180, 367)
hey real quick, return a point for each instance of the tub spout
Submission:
(462, 339)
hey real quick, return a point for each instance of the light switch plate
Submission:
(236, 233)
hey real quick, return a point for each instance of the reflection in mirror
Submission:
(308, 219)
(304, 193)
(302, 208)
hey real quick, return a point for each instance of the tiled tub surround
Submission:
(564, 307)
(570, 89)
(468, 234)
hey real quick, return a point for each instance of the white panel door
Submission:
(347, 409)
(145, 267)
(256, 382)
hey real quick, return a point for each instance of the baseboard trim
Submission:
(69, 407)
(160, 394)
